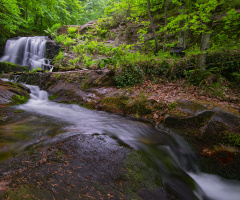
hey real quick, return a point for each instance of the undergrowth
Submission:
(134, 63)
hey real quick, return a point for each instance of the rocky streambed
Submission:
(213, 134)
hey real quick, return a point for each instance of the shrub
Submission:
(128, 75)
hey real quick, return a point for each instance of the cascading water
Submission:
(27, 51)
(168, 153)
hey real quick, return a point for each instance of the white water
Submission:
(216, 187)
(133, 133)
(27, 51)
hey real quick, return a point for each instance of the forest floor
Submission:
(223, 98)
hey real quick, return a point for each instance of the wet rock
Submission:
(190, 122)
(215, 137)
(2, 50)
(71, 87)
(52, 49)
(13, 93)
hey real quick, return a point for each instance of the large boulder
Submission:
(215, 137)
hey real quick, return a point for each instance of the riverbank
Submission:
(208, 133)
(215, 139)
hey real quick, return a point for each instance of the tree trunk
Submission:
(152, 26)
(181, 25)
(129, 11)
(165, 32)
(181, 37)
(203, 47)
(186, 38)
(36, 20)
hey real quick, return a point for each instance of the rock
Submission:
(10, 67)
(215, 137)
(2, 50)
(13, 93)
(179, 51)
(86, 26)
(52, 49)
(190, 122)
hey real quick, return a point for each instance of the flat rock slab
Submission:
(82, 166)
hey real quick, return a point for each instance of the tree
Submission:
(152, 26)
(165, 23)
(9, 17)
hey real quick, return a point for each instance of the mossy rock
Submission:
(13, 93)
(190, 122)
(7, 67)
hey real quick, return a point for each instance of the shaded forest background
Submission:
(207, 29)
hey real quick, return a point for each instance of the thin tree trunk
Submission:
(152, 26)
(129, 11)
(41, 22)
(166, 22)
(181, 35)
(186, 38)
(203, 47)
(181, 32)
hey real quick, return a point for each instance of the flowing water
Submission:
(169, 153)
(27, 51)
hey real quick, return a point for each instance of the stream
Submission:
(45, 122)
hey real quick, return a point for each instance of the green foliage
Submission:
(60, 55)
(9, 17)
(128, 75)
(196, 76)
(72, 31)
(61, 38)
(233, 138)
(52, 31)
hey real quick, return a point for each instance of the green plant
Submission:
(72, 31)
(59, 57)
(60, 39)
(68, 41)
(196, 76)
(52, 31)
(233, 138)
(172, 105)
(128, 75)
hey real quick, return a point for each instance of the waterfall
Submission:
(27, 51)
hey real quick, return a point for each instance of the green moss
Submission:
(51, 98)
(18, 111)
(139, 174)
(137, 105)
(27, 192)
(115, 103)
(90, 105)
(10, 67)
(19, 99)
